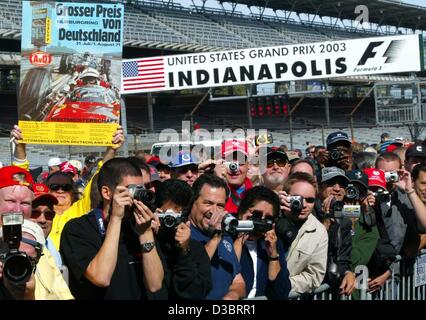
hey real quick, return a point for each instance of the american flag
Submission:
(139, 75)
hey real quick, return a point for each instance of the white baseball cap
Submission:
(35, 230)
(54, 162)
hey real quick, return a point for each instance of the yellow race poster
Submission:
(70, 72)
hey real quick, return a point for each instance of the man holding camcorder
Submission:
(111, 252)
(209, 222)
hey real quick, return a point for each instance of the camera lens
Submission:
(18, 268)
(169, 221)
(352, 193)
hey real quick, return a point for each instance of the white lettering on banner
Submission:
(420, 271)
(379, 55)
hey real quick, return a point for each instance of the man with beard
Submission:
(277, 169)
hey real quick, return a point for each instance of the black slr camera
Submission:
(296, 203)
(140, 193)
(170, 219)
(335, 154)
(17, 266)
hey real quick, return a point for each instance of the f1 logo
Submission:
(369, 52)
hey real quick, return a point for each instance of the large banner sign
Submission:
(70, 72)
(273, 64)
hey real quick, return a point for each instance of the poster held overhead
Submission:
(70, 72)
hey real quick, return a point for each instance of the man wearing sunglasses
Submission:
(277, 169)
(185, 167)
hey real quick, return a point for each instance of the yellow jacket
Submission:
(50, 285)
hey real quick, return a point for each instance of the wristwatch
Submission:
(147, 246)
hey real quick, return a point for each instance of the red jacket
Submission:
(231, 206)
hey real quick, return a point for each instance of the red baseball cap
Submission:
(376, 177)
(231, 146)
(15, 176)
(67, 167)
(41, 191)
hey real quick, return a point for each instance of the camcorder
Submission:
(352, 192)
(140, 193)
(232, 225)
(233, 167)
(296, 203)
(339, 210)
(391, 177)
(170, 219)
(17, 266)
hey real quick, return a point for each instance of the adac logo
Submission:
(40, 58)
(376, 173)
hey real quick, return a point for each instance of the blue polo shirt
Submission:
(224, 265)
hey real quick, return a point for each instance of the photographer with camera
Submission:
(111, 252)
(235, 153)
(190, 276)
(260, 252)
(404, 215)
(23, 242)
(306, 236)
(338, 153)
(208, 223)
(331, 195)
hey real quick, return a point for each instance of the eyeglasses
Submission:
(65, 187)
(279, 162)
(49, 215)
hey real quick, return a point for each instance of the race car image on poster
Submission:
(87, 104)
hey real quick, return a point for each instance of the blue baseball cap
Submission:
(336, 137)
(183, 159)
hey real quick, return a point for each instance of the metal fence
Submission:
(407, 282)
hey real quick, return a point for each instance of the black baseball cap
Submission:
(90, 159)
(357, 176)
(337, 137)
(416, 151)
(276, 153)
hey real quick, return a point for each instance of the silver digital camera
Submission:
(391, 177)
(233, 166)
(296, 203)
(170, 219)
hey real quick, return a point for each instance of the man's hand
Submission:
(323, 157)
(348, 284)
(21, 292)
(120, 200)
(143, 217)
(369, 201)
(16, 134)
(405, 182)
(216, 219)
(271, 243)
(285, 204)
(344, 163)
(326, 203)
(118, 138)
(182, 236)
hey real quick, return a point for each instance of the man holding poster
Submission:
(70, 72)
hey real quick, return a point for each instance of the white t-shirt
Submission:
(252, 248)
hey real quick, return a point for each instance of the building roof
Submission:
(382, 12)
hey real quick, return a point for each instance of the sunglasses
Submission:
(65, 187)
(49, 215)
(309, 200)
(279, 162)
(185, 169)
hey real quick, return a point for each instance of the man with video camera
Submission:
(187, 260)
(331, 195)
(111, 252)
(209, 225)
(301, 231)
(260, 252)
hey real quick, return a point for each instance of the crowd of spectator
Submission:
(222, 228)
